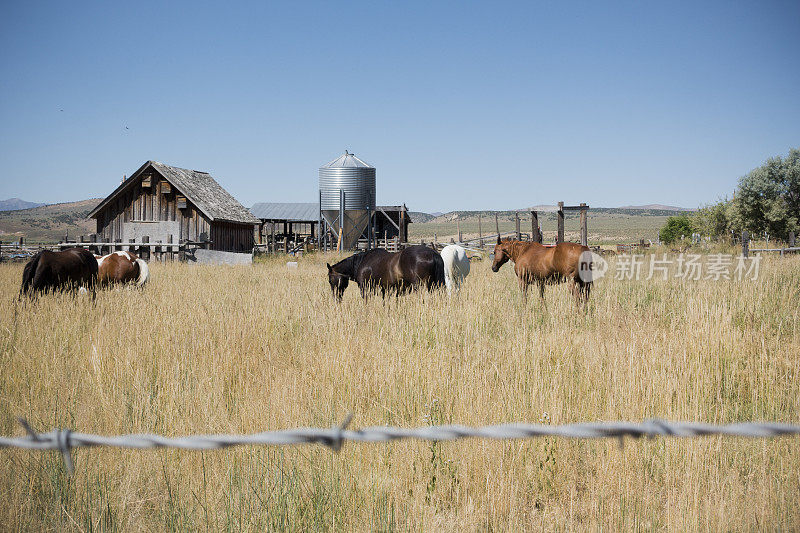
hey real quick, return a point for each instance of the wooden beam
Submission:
(560, 234)
(388, 218)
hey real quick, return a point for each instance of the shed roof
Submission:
(199, 187)
(347, 160)
(303, 211)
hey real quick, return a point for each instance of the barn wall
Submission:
(151, 212)
(231, 237)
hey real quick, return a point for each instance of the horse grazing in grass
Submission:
(536, 263)
(69, 270)
(122, 267)
(456, 266)
(379, 270)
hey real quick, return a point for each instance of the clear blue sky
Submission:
(459, 105)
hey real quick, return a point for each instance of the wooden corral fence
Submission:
(149, 251)
(791, 248)
(634, 247)
(535, 234)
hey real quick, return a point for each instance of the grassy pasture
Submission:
(216, 349)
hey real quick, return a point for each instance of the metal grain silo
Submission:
(347, 197)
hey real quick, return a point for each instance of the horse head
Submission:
(502, 253)
(338, 282)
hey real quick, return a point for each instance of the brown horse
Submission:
(399, 272)
(536, 263)
(122, 267)
(53, 271)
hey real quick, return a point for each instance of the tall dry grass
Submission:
(239, 349)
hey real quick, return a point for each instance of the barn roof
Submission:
(199, 187)
(286, 211)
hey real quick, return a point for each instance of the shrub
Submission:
(675, 228)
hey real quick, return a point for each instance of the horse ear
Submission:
(498, 239)
(329, 266)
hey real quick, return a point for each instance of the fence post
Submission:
(536, 235)
(458, 226)
(791, 239)
(519, 233)
(480, 232)
(403, 234)
(497, 226)
(560, 234)
(745, 244)
(584, 225)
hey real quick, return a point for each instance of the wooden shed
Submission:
(163, 204)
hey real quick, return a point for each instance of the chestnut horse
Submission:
(378, 269)
(53, 271)
(536, 263)
(122, 267)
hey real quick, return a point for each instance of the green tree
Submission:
(714, 219)
(675, 228)
(768, 198)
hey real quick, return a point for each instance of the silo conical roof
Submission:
(347, 160)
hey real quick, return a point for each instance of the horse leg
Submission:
(523, 286)
(541, 289)
(586, 289)
(573, 287)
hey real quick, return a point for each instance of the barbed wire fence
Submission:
(65, 440)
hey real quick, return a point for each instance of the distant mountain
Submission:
(418, 217)
(656, 207)
(49, 223)
(14, 204)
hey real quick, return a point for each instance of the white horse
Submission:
(456, 266)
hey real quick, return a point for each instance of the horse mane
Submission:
(350, 265)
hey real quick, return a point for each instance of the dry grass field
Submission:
(248, 349)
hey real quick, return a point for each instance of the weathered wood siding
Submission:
(153, 212)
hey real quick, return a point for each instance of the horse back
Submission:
(118, 267)
(566, 258)
(421, 264)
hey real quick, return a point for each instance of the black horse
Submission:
(378, 269)
(53, 271)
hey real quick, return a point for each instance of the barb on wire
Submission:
(64, 439)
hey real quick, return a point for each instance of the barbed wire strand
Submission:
(65, 440)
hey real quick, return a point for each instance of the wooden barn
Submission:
(163, 204)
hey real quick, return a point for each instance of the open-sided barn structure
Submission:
(286, 226)
(163, 204)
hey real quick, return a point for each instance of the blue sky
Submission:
(458, 105)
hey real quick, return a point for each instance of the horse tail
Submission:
(28, 274)
(144, 272)
(438, 271)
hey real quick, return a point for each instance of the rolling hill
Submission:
(48, 223)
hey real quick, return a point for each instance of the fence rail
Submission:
(65, 439)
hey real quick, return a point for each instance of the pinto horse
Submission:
(53, 271)
(536, 263)
(122, 267)
(377, 269)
